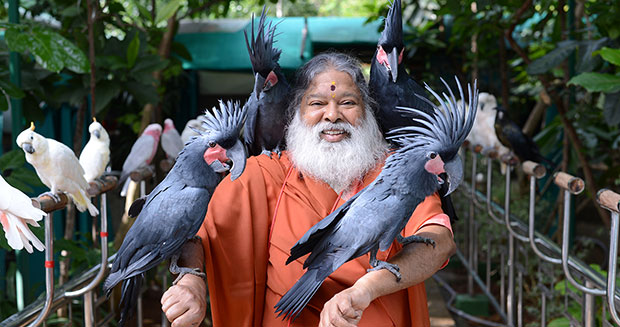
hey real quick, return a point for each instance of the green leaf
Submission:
(611, 55)
(104, 93)
(553, 58)
(39, 45)
(133, 50)
(27, 176)
(4, 102)
(144, 93)
(587, 49)
(11, 89)
(167, 11)
(143, 11)
(611, 109)
(597, 82)
(12, 160)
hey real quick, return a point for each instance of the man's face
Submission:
(332, 97)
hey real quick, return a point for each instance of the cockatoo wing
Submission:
(172, 143)
(141, 154)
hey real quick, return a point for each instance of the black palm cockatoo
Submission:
(512, 137)
(266, 107)
(391, 86)
(173, 212)
(374, 217)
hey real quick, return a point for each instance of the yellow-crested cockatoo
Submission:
(141, 154)
(96, 154)
(171, 141)
(57, 167)
(16, 211)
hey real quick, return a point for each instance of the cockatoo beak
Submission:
(393, 62)
(28, 148)
(259, 81)
(97, 134)
(454, 170)
(237, 154)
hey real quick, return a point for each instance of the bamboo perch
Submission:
(609, 199)
(573, 184)
(534, 169)
(48, 204)
(142, 173)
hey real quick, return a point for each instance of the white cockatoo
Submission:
(188, 132)
(141, 154)
(57, 167)
(16, 211)
(96, 154)
(483, 131)
(171, 141)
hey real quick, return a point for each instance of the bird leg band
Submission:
(414, 239)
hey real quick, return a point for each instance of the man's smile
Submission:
(334, 135)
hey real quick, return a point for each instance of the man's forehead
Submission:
(333, 80)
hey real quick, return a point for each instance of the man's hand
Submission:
(345, 308)
(185, 303)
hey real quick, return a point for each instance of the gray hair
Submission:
(322, 62)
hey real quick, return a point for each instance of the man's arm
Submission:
(185, 304)
(416, 261)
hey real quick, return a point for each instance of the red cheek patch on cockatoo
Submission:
(16, 211)
(171, 141)
(57, 167)
(96, 154)
(141, 154)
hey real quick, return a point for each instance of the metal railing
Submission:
(519, 244)
(85, 284)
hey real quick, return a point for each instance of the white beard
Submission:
(338, 164)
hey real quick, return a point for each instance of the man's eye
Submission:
(348, 103)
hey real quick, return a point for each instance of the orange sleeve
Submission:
(234, 237)
(428, 209)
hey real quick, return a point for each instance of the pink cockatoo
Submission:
(16, 211)
(171, 141)
(141, 154)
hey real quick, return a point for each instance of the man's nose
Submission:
(332, 112)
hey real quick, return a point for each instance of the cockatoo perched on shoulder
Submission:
(57, 167)
(96, 154)
(141, 154)
(16, 210)
(483, 132)
(171, 141)
(188, 132)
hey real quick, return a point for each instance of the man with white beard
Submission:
(334, 149)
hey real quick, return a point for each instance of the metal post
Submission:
(87, 290)
(139, 304)
(589, 307)
(470, 226)
(531, 225)
(611, 201)
(565, 232)
(520, 301)
(89, 316)
(49, 270)
(502, 280)
(611, 273)
(507, 210)
(510, 299)
(489, 191)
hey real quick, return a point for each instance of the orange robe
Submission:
(246, 273)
